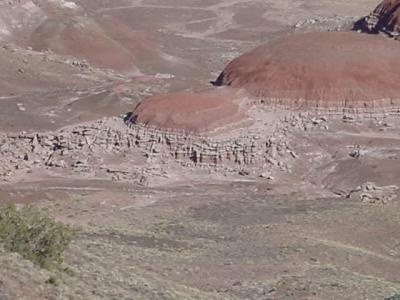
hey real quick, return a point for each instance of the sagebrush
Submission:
(33, 235)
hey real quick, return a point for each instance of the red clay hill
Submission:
(105, 43)
(66, 28)
(198, 113)
(335, 70)
(385, 18)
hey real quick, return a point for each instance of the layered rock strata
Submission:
(385, 18)
(333, 71)
(67, 28)
(87, 148)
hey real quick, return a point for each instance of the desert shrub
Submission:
(53, 280)
(395, 297)
(33, 235)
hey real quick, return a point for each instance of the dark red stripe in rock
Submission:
(321, 69)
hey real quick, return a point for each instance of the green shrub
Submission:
(395, 297)
(34, 236)
(53, 280)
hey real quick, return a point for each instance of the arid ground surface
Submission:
(321, 220)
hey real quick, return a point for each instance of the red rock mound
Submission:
(66, 28)
(191, 112)
(325, 70)
(106, 43)
(385, 18)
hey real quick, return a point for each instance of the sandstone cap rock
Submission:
(340, 70)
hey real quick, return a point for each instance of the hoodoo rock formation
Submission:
(196, 113)
(337, 71)
(385, 18)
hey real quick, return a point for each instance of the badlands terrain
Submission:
(205, 149)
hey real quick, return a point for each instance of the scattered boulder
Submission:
(369, 192)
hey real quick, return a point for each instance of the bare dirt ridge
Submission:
(203, 192)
